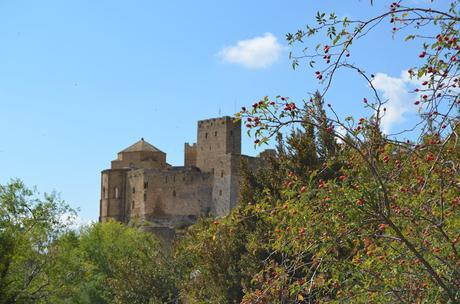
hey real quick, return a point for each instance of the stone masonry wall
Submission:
(189, 155)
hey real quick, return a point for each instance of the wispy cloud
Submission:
(400, 101)
(256, 53)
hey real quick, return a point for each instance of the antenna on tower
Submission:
(220, 112)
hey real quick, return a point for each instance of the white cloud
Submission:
(342, 132)
(74, 221)
(400, 101)
(256, 53)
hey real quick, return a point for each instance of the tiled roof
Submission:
(140, 146)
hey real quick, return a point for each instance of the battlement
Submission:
(212, 121)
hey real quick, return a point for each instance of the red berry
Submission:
(302, 231)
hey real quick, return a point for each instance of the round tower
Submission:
(112, 204)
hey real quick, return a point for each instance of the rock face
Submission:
(141, 186)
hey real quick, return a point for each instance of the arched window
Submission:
(215, 133)
(104, 193)
(174, 193)
(116, 193)
(222, 173)
(220, 192)
(134, 190)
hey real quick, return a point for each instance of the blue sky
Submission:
(81, 80)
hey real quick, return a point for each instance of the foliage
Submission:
(385, 229)
(339, 242)
(28, 227)
(118, 264)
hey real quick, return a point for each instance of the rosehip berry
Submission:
(302, 231)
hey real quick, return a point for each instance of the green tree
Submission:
(29, 225)
(115, 263)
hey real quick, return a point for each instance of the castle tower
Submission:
(112, 204)
(218, 151)
(217, 137)
(116, 189)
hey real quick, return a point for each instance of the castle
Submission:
(141, 185)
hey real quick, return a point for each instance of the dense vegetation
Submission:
(342, 213)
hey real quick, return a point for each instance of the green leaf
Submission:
(420, 73)
(410, 37)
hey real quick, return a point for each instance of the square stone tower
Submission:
(218, 151)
